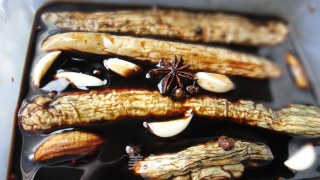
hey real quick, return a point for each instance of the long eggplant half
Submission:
(78, 108)
(185, 25)
(205, 161)
(199, 57)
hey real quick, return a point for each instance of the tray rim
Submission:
(301, 46)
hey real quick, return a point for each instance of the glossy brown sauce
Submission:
(112, 161)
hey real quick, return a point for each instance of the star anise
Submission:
(173, 74)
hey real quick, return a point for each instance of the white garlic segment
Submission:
(122, 67)
(56, 85)
(213, 82)
(79, 79)
(170, 128)
(302, 159)
(43, 65)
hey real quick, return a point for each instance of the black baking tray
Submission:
(112, 163)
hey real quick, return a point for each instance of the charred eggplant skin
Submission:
(189, 26)
(73, 143)
(207, 159)
(79, 108)
(199, 57)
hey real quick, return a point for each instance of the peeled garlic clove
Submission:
(122, 67)
(303, 159)
(79, 79)
(43, 65)
(170, 128)
(297, 71)
(214, 82)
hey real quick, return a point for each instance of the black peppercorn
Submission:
(97, 72)
(178, 94)
(226, 143)
(133, 150)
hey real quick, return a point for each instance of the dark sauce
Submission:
(112, 161)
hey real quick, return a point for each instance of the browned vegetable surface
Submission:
(297, 70)
(70, 143)
(190, 26)
(199, 57)
(76, 108)
(224, 172)
(204, 160)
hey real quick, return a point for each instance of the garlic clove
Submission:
(56, 85)
(213, 82)
(79, 79)
(302, 159)
(122, 67)
(170, 128)
(297, 70)
(43, 65)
